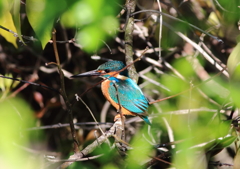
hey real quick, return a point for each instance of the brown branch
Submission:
(60, 125)
(72, 160)
(129, 26)
(28, 82)
(64, 95)
(179, 20)
(90, 148)
(160, 158)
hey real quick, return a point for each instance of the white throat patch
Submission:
(121, 77)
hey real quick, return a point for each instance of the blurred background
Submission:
(192, 54)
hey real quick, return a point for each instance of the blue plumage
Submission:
(129, 94)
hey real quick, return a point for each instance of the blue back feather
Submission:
(130, 95)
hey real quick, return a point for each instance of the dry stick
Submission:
(160, 32)
(73, 160)
(67, 46)
(110, 50)
(164, 161)
(121, 13)
(87, 150)
(91, 114)
(60, 125)
(32, 83)
(31, 38)
(103, 113)
(64, 95)
(174, 18)
(13, 94)
(154, 160)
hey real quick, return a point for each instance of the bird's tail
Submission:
(145, 118)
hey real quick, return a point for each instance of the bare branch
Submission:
(103, 138)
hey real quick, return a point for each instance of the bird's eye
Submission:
(107, 70)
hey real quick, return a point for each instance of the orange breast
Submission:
(105, 85)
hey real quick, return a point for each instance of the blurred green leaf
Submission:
(16, 117)
(42, 15)
(216, 146)
(37, 15)
(234, 61)
(96, 20)
(109, 166)
(15, 11)
(6, 20)
(140, 152)
(174, 84)
(227, 141)
(233, 66)
(8, 82)
(184, 67)
(230, 10)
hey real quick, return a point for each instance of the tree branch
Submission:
(130, 5)
(64, 95)
(90, 148)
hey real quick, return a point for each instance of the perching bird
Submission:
(120, 87)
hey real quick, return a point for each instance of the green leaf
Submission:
(96, 20)
(216, 146)
(227, 141)
(15, 11)
(234, 59)
(17, 118)
(140, 152)
(233, 66)
(6, 21)
(37, 13)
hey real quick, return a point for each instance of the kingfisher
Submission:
(120, 90)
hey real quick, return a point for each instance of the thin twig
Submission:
(73, 160)
(64, 95)
(31, 38)
(87, 150)
(174, 18)
(90, 113)
(195, 86)
(60, 125)
(32, 83)
(160, 32)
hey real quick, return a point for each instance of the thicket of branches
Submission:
(183, 54)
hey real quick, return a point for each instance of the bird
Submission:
(120, 90)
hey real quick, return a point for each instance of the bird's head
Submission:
(105, 70)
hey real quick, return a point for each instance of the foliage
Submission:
(16, 118)
(189, 62)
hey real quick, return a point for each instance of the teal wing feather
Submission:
(129, 94)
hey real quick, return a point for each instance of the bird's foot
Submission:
(118, 116)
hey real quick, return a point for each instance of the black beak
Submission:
(87, 74)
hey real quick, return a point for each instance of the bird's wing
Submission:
(129, 94)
